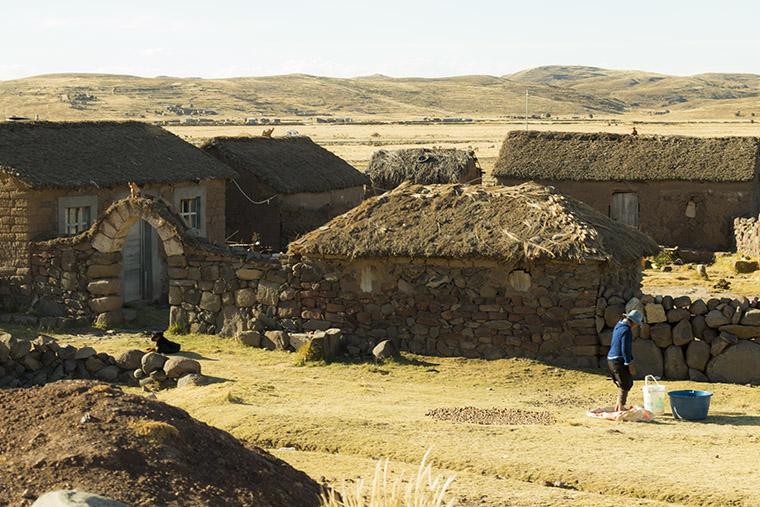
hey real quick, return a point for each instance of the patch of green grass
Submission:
(177, 329)
(308, 353)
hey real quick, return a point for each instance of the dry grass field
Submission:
(334, 421)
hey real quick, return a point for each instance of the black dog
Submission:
(164, 345)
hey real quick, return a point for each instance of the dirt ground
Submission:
(94, 437)
(334, 420)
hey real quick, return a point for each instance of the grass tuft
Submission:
(308, 353)
(155, 432)
(177, 329)
(425, 490)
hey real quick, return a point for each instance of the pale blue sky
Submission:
(344, 38)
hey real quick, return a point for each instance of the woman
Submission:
(620, 356)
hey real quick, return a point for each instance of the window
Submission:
(190, 211)
(78, 219)
(76, 213)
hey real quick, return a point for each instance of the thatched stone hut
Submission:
(473, 271)
(286, 186)
(683, 191)
(426, 166)
(58, 178)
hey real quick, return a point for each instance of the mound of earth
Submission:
(476, 415)
(94, 437)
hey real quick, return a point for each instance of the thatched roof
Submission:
(525, 222)
(388, 169)
(104, 154)
(288, 165)
(615, 157)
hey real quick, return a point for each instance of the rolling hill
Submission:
(557, 90)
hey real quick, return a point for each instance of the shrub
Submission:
(155, 432)
(309, 352)
(426, 490)
(175, 328)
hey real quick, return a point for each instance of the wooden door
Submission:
(625, 208)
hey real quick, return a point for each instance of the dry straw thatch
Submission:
(288, 165)
(101, 153)
(388, 169)
(521, 223)
(615, 157)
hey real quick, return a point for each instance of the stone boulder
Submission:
(682, 302)
(384, 350)
(250, 338)
(106, 304)
(697, 355)
(84, 353)
(698, 326)
(178, 366)
(745, 266)
(662, 334)
(698, 307)
(716, 318)
(74, 498)
(743, 332)
(153, 361)
(751, 317)
(647, 357)
(655, 313)
(108, 373)
(130, 359)
(613, 314)
(193, 379)
(678, 315)
(275, 340)
(675, 364)
(697, 376)
(737, 364)
(682, 333)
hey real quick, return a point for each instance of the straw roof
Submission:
(388, 169)
(525, 222)
(288, 165)
(615, 157)
(104, 154)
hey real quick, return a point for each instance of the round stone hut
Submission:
(472, 271)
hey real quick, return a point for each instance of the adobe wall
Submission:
(14, 242)
(663, 208)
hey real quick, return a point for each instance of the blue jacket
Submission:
(622, 343)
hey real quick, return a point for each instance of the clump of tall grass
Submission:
(426, 490)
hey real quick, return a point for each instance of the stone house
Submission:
(471, 270)
(57, 178)
(683, 191)
(286, 186)
(426, 166)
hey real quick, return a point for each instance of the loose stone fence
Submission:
(715, 340)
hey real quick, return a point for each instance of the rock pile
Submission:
(715, 340)
(328, 342)
(25, 363)
(156, 371)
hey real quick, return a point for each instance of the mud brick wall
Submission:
(747, 236)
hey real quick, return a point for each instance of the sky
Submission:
(342, 38)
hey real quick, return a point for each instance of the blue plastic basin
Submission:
(689, 404)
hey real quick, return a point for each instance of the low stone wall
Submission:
(716, 340)
(26, 363)
(747, 236)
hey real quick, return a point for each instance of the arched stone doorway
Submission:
(110, 236)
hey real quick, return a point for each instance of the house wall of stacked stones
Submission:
(663, 208)
(747, 236)
(31, 216)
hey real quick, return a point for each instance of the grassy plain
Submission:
(334, 421)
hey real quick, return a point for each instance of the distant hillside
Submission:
(554, 90)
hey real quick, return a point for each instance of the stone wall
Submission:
(716, 340)
(747, 236)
